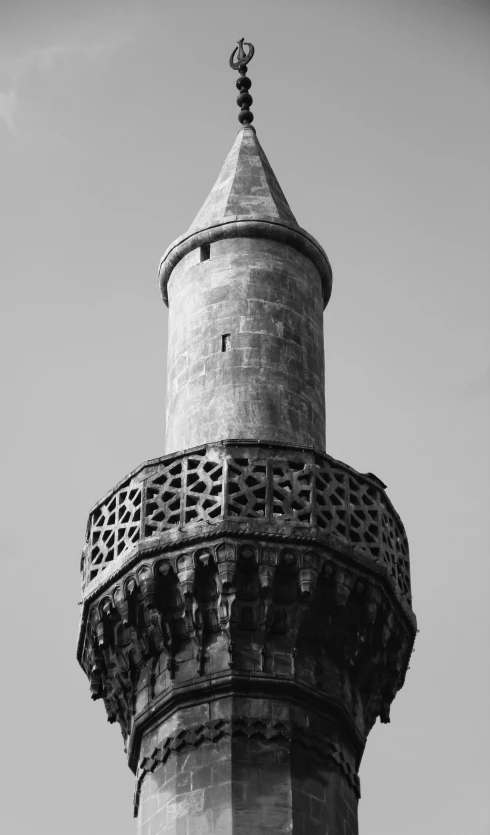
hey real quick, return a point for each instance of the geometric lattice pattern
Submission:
(204, 488)
(247, 488)
(332, 500)
(364, 516)
(115, 527)
(292, 484)
(262, 481)
(394, 546)
(163, 498)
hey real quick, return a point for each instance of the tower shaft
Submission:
(246, 287)
(245, 326)
(246, 597)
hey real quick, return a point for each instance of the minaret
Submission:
(246, 598)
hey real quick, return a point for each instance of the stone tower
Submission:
(246, 598)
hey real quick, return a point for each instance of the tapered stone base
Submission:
(247, 766)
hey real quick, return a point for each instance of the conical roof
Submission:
(246, 187)
(246, 201)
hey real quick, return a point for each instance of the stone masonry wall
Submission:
(240, 766)
(322, 800)
(191, 794)
(245, 329)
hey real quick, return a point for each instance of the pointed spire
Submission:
(246, 188)
(246, 200)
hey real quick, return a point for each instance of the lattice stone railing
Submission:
(240, 480)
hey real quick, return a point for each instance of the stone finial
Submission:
(244, 100)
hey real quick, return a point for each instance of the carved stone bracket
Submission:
(300, 612)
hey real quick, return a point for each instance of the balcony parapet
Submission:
(250, 487)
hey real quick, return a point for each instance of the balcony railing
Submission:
(245, 480)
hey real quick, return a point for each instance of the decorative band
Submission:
(217, 729)
(236, 227)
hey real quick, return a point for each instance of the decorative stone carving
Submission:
(239, 607)
(215, 730)
(313, 495)
(246, 568)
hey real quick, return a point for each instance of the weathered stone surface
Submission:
(246, 202)
(246, 602)
(249, 489)
(249, 766)
(234, 612)
(246, 568)
(267, 297)
(246, 187)
(246, 288)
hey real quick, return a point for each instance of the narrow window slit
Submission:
(205, 252)
(226, 342)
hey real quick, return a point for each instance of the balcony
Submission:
(246, 487)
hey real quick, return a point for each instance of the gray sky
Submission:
(115, 118)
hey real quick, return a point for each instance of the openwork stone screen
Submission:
(241, 482)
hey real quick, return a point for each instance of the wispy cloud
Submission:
(45, 59)
(8, 104)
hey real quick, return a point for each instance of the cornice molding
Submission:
(235, 227)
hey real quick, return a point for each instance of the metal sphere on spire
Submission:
(244, 99)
